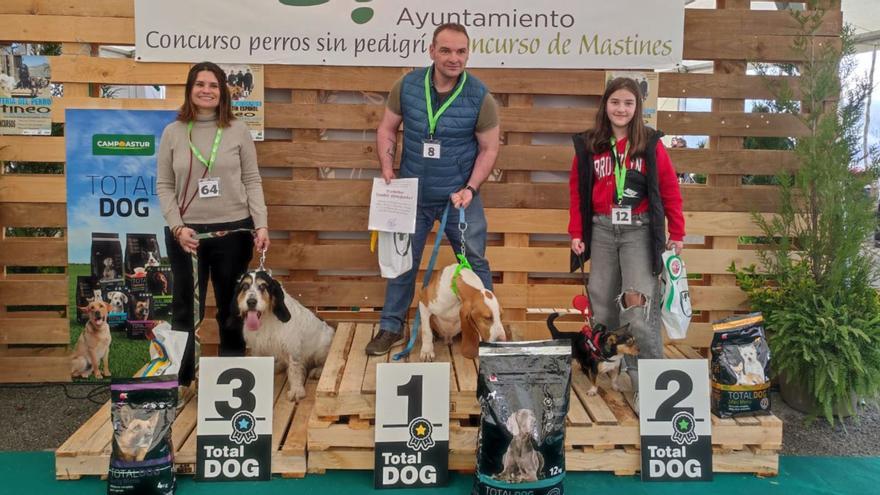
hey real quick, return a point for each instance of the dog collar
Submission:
(462, 263)
(592, 340)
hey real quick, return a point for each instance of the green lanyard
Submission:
(619, 168)
(214, 147)
(432, 119)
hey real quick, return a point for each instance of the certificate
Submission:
(393, 206)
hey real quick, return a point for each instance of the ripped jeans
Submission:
(620, 263)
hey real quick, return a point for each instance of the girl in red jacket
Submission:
(623, 191)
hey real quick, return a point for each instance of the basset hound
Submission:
(453, 304)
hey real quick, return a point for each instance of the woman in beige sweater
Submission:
(208, 181)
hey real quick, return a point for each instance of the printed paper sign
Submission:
(393, 206)
(25, 94)
(235, 419)
(412, 425)
(245, 84)
(676, 426)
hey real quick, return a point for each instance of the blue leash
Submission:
(414, 332)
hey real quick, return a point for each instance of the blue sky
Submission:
(83, 205)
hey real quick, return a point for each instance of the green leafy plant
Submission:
(814, 286)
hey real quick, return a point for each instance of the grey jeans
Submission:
(620, 262)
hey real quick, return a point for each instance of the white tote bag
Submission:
(395, 253)
(676, 309)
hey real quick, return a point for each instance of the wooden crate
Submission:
(602, 432)
(87, 452)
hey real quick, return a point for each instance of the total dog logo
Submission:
(235, 419)
(124, 144)
(675, 422)
(412, 425)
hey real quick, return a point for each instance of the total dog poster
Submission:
(119, 273)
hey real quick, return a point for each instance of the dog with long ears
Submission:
(521, 462)
(93, 345)
(456, 302)
(598, 350)
(275, 324)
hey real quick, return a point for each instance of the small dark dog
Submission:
(598, 350)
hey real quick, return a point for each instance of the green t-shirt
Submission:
(487, 119)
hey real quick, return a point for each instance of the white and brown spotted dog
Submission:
(475, 312)
(275, 324)
(93, 344)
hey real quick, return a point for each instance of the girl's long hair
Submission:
(598, 138)
(188, 110)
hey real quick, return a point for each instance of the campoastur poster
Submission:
(116, 245)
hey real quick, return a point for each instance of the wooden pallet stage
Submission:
(87, 451)
(602, 432)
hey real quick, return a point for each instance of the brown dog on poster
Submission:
(93, 345)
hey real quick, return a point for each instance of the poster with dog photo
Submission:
(120, 279)
(245, 84)
(649, 84)
(25, 94)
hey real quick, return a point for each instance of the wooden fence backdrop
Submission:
(304, 203)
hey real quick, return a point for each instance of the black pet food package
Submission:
(159, 280)
(740, 366)
(141, 252)
(142, 412)
(106, 257)
(523, 391)
(116, 294)
(159, 284)
(140, 315)
(87, 290)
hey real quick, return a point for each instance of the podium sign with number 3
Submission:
(235, 419)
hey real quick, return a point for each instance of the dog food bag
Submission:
(140, 315)
(159, 283)
(106, 257)
(142, 412)
(116, 294)
(141, 251)
(87, 290)
(523, 391)
(740, 366)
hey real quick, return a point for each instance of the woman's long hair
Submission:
(188, 110)
(598, 138)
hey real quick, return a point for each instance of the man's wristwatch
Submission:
(471, 189)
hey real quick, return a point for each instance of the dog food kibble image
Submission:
(740, 366)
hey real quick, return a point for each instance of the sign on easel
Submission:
(412, 425)
(676, 426)
(235, 419)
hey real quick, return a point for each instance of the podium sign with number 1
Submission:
(676, 426)
(235, 419)
(412, 425)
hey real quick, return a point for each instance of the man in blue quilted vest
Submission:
(450, 142)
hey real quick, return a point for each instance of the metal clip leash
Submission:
(462, 228)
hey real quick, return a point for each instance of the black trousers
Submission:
(223, 259)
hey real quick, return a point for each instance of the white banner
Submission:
(621, 34)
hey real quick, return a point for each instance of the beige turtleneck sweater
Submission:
(241, 189)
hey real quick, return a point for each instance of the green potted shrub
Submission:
(814, 285)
